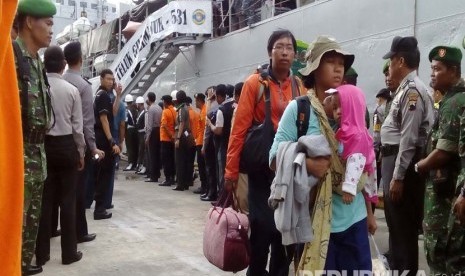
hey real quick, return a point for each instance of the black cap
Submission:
(72, 50)
(167, 98)
(402, 44)
(384, 93)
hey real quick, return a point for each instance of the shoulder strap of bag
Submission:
(24, 74)
(49, 97)
(295, 87)
(267, 103)
(303, 115)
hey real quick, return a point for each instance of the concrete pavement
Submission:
(154, 231)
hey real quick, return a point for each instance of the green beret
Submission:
(446, 53)
(351, 73)
(38, 8)
(386, 65)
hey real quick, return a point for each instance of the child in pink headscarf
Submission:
(355, 143)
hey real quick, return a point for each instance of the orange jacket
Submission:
(248, 111)
(193, 121)
(11, 151)
(168, 121)
(201, 125)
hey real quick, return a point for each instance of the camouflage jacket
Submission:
(445, 134)
(38, 117)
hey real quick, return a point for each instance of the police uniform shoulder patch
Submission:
(412, 100)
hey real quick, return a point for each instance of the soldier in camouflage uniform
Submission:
(35, 19)
(442, 165)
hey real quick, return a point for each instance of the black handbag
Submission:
(256, 151)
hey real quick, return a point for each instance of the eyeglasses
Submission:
(281, 48)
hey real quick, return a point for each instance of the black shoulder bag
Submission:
(256, 151)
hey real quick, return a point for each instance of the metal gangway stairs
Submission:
(160, 57)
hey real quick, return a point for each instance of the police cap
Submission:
(402, 44)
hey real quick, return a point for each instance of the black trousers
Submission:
(190, 165)
(182, 155)
(83, 177)
(263, 231)
(154, 154)
(132, 145)
(103, 171)
(210, 166)
(62, 160)
(141, 153)
(202, 169)
(220, 152)
(167, 153)
(403, 218)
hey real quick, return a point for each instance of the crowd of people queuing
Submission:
(314, 204)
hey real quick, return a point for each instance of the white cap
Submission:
(140, 100)
(173, 94)
(128, 99)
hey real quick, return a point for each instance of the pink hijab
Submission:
(352, 132)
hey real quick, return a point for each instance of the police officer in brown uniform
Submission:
(403, 137)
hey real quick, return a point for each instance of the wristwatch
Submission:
(416, 167)
(112, 142)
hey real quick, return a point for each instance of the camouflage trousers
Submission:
(33, 190)
(444, 237)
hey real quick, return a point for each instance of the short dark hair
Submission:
(238, 89)
(105, 72)
(450, 65)
(181, 96)
(151, 97)
(73, 53)
(221, 90)
(412, 59)
(20, 21)
(230, 90)
(200, 97)
(54, 59)
(309, 81)
(278, 34)
(189, 100)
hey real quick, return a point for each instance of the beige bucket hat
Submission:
(319, 47)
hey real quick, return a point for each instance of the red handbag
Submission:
(225, 238)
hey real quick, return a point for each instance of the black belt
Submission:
(388, 150)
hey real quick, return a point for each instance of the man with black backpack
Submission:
(221, 130)
(35, 21)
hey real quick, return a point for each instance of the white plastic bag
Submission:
(380, 263)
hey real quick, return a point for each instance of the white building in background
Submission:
(97, 11)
